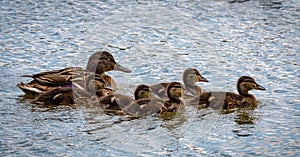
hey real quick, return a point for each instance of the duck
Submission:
(151, 105)
(173, 103)
(144, 102)
(230, 100)
(98, 63)
(81, 91)
(116, 102)
(190, 77)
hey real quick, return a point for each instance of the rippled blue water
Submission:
(157, 40)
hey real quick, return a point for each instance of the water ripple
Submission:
(157, 40)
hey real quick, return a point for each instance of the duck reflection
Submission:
(245, 120)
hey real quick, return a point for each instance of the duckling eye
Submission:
(143, 93)
(254, 85)
(178, 90)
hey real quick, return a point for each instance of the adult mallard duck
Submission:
(82, 91)
(190, 77)
(229, 100)
(98, 63)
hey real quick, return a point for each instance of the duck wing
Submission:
(57, 77)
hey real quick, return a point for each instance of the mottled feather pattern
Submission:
(229, 100)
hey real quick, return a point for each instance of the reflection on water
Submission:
(157, 40)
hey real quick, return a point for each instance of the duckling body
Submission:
(98, 63)
(144, 104)
(229, 100)
(190, 77)
(137, 106)
(56, 96)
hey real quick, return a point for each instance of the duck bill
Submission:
(119, 67)
(108, 87)
(259, 87)
(202, 79)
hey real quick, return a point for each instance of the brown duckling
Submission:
(99, 63)
(109, 102)
(190, 77)
(174, 102)
(144, 104)
(229, 100)
(80, 92)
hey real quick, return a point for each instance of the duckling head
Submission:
(175, 91)
(191, 76)
(103, 61)
(142, 91)
(95, 83)
(247, 83)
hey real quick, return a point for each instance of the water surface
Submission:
(157, 40)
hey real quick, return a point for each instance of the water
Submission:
(157, 40)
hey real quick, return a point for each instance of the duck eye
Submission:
(254, 85)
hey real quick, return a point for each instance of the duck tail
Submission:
(28, 89)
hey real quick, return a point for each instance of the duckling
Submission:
(56, 96)
(144, 104)
(166, 108)
(174, 101)
(190, 77)
(109, 102)
(80, 92)
(229, 100)
(98, 63)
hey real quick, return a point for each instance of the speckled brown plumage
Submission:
(120, 102)
(229, 100)
(80, 92)
(190, 77)
(98, 63)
